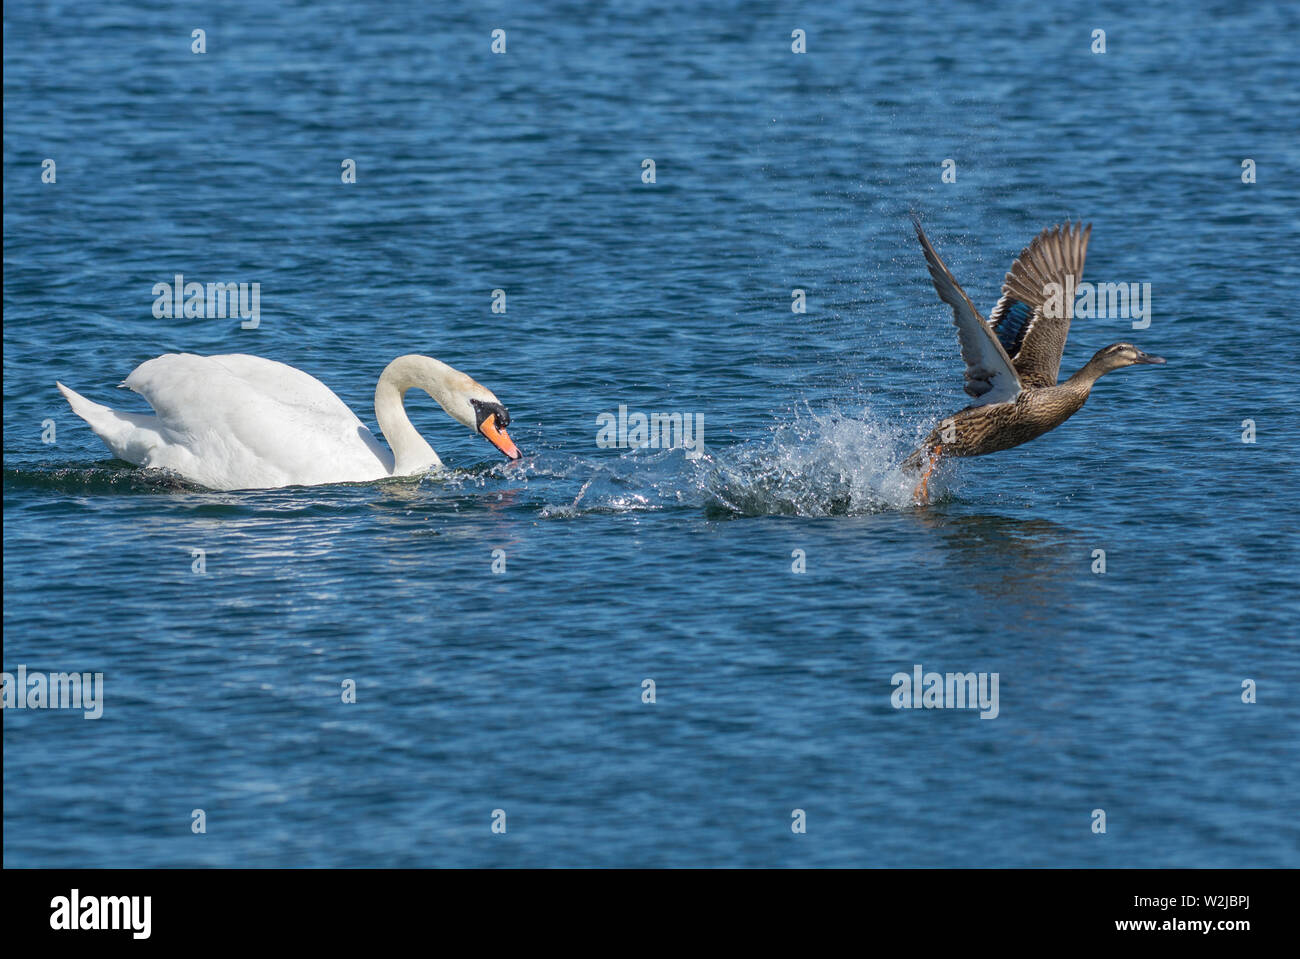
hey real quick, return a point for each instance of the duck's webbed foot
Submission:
(921, 495)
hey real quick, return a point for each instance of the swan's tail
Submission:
(101, 419)
(129, 436)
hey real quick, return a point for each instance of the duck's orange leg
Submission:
(921, 495)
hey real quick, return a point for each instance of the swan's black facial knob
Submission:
(492, 420)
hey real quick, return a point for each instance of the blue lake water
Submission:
(522, 690)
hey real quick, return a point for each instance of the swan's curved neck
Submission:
(411, 452)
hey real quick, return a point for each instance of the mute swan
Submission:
(243, 422)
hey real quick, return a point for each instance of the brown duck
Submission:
(1012, 359)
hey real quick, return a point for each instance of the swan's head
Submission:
(491, 419)
(467, 401)
(474, 405)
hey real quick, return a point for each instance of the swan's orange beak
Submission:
(499, 437)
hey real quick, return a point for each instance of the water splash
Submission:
(819, 464)
(816, 464)
(813, 464)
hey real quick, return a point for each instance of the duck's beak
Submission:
(499, 437)
(1148, 358)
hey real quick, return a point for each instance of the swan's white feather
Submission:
(238, 422)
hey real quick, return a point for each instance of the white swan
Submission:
(244, 422)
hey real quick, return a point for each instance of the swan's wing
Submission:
(237, 421)
(1030, 323)
(287, 384)
(990, 376)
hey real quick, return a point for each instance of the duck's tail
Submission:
(917, 460)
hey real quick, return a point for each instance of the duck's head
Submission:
(1119, 355)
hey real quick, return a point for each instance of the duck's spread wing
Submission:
(990, 375)
(1032, 320)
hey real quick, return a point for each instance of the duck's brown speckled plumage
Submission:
(1012, 363)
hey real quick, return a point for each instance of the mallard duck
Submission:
(1012, 359)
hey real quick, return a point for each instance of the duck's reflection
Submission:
(1030, 561)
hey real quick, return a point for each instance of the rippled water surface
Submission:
(522, 690)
